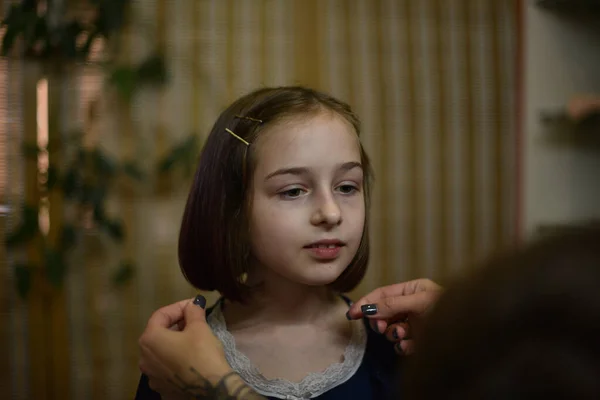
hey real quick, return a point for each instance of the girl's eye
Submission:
(347, 189)
(292, 193)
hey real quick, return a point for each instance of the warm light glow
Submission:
(42, 161)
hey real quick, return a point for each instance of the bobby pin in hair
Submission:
(236, 136)
(249, 118)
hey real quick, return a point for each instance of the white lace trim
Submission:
(313, 385)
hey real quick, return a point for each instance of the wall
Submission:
(561, 183)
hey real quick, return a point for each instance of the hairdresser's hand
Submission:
(398, 310)
(186, 362)
(581, 106)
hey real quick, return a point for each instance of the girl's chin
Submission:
(306, 274)
(319, 280)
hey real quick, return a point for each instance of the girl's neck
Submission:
(278, 300)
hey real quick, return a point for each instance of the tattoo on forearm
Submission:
(230, 387)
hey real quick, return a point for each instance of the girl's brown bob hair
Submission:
(214, 242)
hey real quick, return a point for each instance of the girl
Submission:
(276, 221)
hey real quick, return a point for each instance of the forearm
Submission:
(228, 386)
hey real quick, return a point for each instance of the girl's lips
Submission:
(325, 250)
(327, 243)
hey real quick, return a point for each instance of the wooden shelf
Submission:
(548, 229)
(563, 130)
(572, 7)
(559, 116)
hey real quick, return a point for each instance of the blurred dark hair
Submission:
(524, 326)
(214, 243)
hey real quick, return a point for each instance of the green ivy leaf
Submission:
(98, 195)
(53, 177)
(111, 15)
(133, 171)
(152, 70)
(68, 237)
(36, 35)
(167, 162)
(99, 214)
(84, 51)
(103, 163)
(82, 156)
(124, 79)
(56, 268)
(85, 193)
(30, 214)
(23, 278)
(12, 16)
(71, 182)
(30, 151)
(74, 137)
(14, 27)
(115, 229)
(190, 158)
(123, 274)
(184, 153)
(69, 36)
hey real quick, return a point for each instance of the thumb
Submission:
(194, 311)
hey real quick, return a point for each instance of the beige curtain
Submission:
(433, 81)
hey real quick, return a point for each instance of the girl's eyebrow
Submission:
(303, 170)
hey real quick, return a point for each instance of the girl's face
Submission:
(308, 206)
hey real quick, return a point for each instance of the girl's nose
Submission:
(327, 213)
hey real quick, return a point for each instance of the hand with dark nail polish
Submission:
(369, 309)
(200, 301)
(165, 352)
(373, 326)
(398, 348)
(392, 304)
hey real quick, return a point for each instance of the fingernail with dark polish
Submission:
(373, 325)
(348, 317)
(369, 309)
(200, 301)
(399, 348)
(395, 334)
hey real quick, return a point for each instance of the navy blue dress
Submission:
(376, 378)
